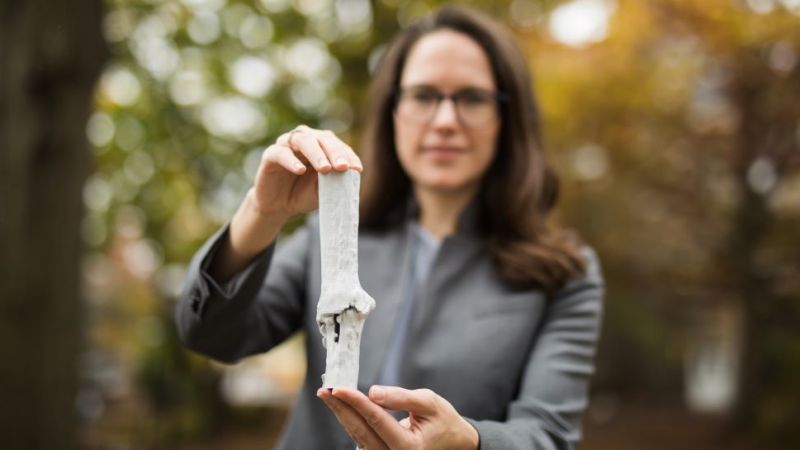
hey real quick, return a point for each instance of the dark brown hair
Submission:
(518, 190)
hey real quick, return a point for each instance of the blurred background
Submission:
(130, 130)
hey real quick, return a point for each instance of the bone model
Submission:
(343, 304)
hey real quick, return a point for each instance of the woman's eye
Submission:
(426, 97)
(473, 98)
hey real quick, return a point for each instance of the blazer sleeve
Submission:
(253, 312)
(554, 386)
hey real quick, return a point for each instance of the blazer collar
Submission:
(467, 219)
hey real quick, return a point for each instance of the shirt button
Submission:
(195, 301)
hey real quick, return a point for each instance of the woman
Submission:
(487, 318)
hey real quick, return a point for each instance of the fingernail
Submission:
(319, 392)
(377, 393)
(323, 162)
(341, 161)
(298, 166)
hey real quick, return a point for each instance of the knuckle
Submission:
(334, 407)
(305, 130)
(427, 395)
(288, 157)
(269, 152)
(358, 433)
(372, 418)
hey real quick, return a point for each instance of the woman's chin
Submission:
(447, 186)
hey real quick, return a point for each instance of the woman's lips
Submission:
(441, 152)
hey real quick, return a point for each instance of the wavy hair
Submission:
(519, 189)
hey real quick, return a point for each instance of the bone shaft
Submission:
(338, 219)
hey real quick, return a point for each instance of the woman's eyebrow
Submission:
(434, 87)
(419, 86)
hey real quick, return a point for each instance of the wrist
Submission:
(471, 435)
(251, 206)
(253, 228)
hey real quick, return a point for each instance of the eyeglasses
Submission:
(475, 107)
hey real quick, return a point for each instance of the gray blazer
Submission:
(514, 364)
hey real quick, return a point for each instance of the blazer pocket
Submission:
(525, 304)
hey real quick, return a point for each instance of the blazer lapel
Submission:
(385, 278)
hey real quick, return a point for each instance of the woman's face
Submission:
(446, 153)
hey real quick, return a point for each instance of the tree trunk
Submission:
(51, 55)
(750, 223)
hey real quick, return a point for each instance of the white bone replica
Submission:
(343, 304)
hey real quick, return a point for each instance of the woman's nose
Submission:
(446, 114)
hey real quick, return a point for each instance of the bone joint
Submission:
(343, 304)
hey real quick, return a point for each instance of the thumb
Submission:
(419, 401)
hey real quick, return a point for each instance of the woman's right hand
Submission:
(285, 185)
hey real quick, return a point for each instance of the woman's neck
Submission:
(440, 211)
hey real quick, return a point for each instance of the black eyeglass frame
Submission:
(500, 98)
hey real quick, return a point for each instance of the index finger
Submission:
(386, 426)
(307, 143)
(339, 151)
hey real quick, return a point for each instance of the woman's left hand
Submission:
(432, 422)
